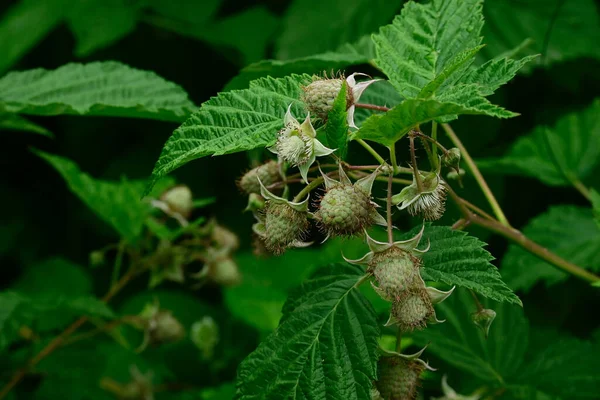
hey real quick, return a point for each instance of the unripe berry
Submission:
(395, 271)
(205, 336)
(345, 210)
(165, 328)
(320, 95)
(412, 309)
(179, 199)
(398, 377)
(268, 173)
(283, 226)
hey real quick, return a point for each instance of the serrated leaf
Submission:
(551, 28)
(325, 346)
(99, 23)
(117, 203)
(99, 88)
(495, 73)
(462, 344)
(424, 40)
(557, 156)
(568, 231)
(380, 93)
(336, 129)
(455, 258)
(233, 121)
(317, 26)
(25, 24)
(17, 123)
(393, 125)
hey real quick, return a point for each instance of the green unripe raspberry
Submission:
(395, 271)
(412, 309)
(283, 226)
(179, 199)
(320, 95)
(345, 210)
(398, 378)
(268, 173)
(165, 328)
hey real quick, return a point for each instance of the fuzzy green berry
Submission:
(320, 95)
(268, 173)
(395, 270)
(398, 378)
(412, 309)
(283, 226)
(345, 210)
(179, 200)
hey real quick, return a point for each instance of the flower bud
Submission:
(268, 173)
(483, 319)
(179, 200)
(222, 269)
(160, 325)
(224, 238)
(451, 159)
(399, 377)
(97, 258)
(205, 335)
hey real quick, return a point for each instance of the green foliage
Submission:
(456, 258)
(17, 123)
(558, 156)
(569, 231)
(234, 121)
(99, 88)
(312, 26)
(550, 29)
(596, 204)
(336, 129)
(328, 330)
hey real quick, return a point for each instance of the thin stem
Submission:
(477, 210)
(372, 107)
(308, 188)
(478, 177)
(61, 338)
(476, 300)
(435, 142)
(577, 184)
(359, 174)
(399, 340)
(430, 156)
(371, 150)
(520, 239)
(116, 272)
(389, 209)
(104, 328)
(393, 158)
(413, 158)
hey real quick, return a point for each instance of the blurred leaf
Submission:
(193, 13)
(568, 231)
(117, 203)
(25, 24)
(393, 125)
(223, 392)
(551, 26)
(12, 306)
(336, 129)
(257, 305)
(318, 26)
(346, 55)
(557, 156)
(596, 204)
(99, 88)
(231, 122)
(99, 23)
(66, 277)
(460, 343)
(16, 123)
(455, 258)
(325, 346)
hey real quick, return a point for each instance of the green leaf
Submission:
(257, 304)
(346, 55)
(380, 93)
(461, 344)
(551, 28)
(99, 88)
(425, 39)
(558, 156)
(11, 306)
(67, 278)
(568, 231)
(325, 346)
(455, 258)
(336, 129)
(393, 125)
(565, 366)
(117, 203)
(17, 123)
(495, 73)
(24, 25)
(99, 23)
(596, 204)
(233, 121)
(317, 26)
(188, 13)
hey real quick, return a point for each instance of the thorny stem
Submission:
(413, 159)
(61, 338)
(521, 240)
(389, 209)
(371, 107)
(478, 177)
(371, 150)
(435, 142)
(308, 188)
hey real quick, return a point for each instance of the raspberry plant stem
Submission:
(435, 142)
(390, 233)
(308, 188)
(371, 150)
(413, 158)
(393, 158)
(478, 177)
(371, 107)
